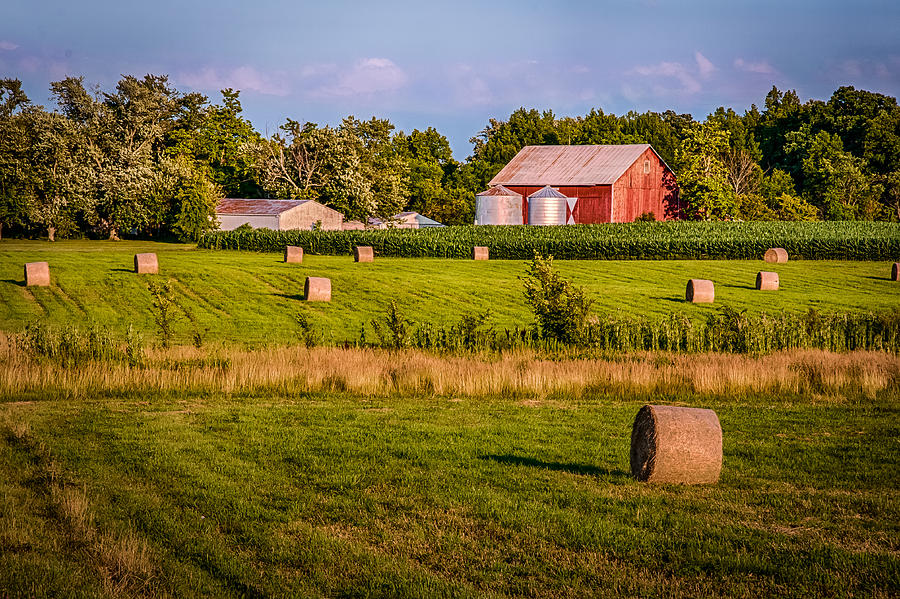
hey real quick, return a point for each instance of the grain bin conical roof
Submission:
(499, 191)
(546, 192)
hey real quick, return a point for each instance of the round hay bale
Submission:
(676, 445)
(776, 256)
(767, 281)
(317, 289)
(293, 254)
(37, 274)
(363, 253)
(700, 291)
(895, 271)
(480, 252)
(146, 264)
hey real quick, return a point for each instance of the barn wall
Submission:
(229, 222)
(636, 193)
(593, 204)
(306, 215)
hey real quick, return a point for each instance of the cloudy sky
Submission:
(454, 65)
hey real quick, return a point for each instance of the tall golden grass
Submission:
(292, 370)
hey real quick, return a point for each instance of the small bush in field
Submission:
(561, 309)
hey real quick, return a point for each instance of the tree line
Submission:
(147, 160)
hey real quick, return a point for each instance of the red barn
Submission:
(609, 184)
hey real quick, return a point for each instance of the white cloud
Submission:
(706, 67)
(688, 84)
(525, 82)
(468, 87)
(851, 68)
(762, 67)
(244, 78)
(367, 77)
(865, 72)
(31, 64)
(318, 70)
(7, 45)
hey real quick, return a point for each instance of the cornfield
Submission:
(639, 241)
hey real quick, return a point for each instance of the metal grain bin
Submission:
(547, 206)
(498, 206)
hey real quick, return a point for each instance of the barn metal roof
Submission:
(547, 192)
(261, 207)
(500, 191)
(569, 165)
(423, 220)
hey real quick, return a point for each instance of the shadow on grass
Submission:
(122, 269)
(14, 282)
(677, 300)
(291, 296)
(584, 469)
(751, 287)
(877, 278)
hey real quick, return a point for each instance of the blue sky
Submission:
(454, 65)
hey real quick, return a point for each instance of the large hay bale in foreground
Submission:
(676, 445)
(767, 281)
(700, 291)
(895, 272)
(293, 254)
(317, 289)
(363, 253)
(146, 264)
(776, 256)
(37, 274)
(480, 252)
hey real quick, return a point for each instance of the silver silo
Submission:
(547, 206)
(498, 206)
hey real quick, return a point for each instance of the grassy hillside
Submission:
(223, 471)
(254, 298)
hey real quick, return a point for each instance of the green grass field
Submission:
(251, 298)
(343, 495)
(274, 472)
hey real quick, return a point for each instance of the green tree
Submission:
(381, 165)
(782, 114)
(15, 165)
(753, 206)
(741, 158)
(123, 134)
(776, 183)
(196, 207)
(795, 208)
(891, 197)
(437, 188)
(219, 138)
(59, 191)
(661, 130)
(834, 180)
(320, 163)
(702, 174)
(500, 141)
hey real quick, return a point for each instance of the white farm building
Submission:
(414, 220)
(278, 215)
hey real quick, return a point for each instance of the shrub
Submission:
(560, 308)
(163, 309)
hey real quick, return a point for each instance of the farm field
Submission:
(411, 495)
(252, 298)
(252, 466)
